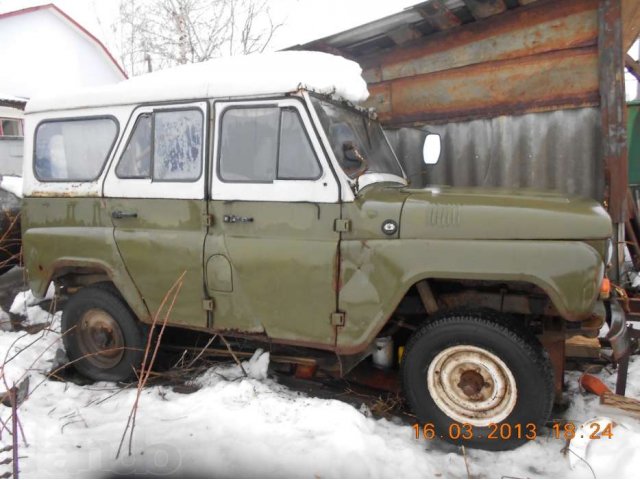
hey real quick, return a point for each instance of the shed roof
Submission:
(430, 17)
(413, 23)
(8, 100)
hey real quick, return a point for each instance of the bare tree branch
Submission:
(172, 32)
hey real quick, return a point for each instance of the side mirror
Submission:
(431, 149)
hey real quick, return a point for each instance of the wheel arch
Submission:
(567, 273)
(80, 272)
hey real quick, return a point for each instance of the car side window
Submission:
(164, 146)
(177, 145)
(73, 150)
(135, 161)
(296, 159)
(249, 145)
(263, 144)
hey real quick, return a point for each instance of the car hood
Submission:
(478, 213)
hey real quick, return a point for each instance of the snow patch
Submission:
(258, 365)
(251, 426)
(21, 353)
(12, 184)
(250, 75)
(26, 305)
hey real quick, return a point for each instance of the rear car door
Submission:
(155, 194)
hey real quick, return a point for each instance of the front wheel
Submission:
(478, 381)
(103, 339)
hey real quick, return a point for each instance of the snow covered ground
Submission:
(236, 426)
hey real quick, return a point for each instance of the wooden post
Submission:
(612, 108)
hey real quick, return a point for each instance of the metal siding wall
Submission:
(559, 150)
(11, 156)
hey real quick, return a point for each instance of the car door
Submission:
(155, 193)
(271, 252)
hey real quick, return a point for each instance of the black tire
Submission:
(116, 332)
(443, 340)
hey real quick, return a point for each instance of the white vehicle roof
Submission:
(260, 74)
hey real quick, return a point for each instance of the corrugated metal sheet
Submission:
(559, 150)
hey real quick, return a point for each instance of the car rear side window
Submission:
(263, 144)
(73, 150)
(165, 146)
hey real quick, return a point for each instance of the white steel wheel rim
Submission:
(472, 385)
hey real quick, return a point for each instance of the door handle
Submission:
(120, 214)
(236, 219)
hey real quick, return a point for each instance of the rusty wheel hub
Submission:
(100, 339)
(472, 385)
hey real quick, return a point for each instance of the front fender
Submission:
(376, 274)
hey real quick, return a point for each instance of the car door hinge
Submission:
(338, 319)
(207, 304)
(342, 225)
(207, 219)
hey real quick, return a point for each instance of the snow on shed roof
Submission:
(12, 101)
(259, 74)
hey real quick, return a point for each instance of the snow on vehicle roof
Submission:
(259, 74)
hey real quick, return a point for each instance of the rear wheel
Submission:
(478, 380)
(102, 337)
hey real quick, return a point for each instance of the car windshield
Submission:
(349, 129)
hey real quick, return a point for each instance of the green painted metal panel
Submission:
(633, 141)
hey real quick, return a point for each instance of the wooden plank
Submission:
(404, 34)
(629, 405)
(485, 8)
(438, 15)
(533, 84)
(582, 347)
(516, 34)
